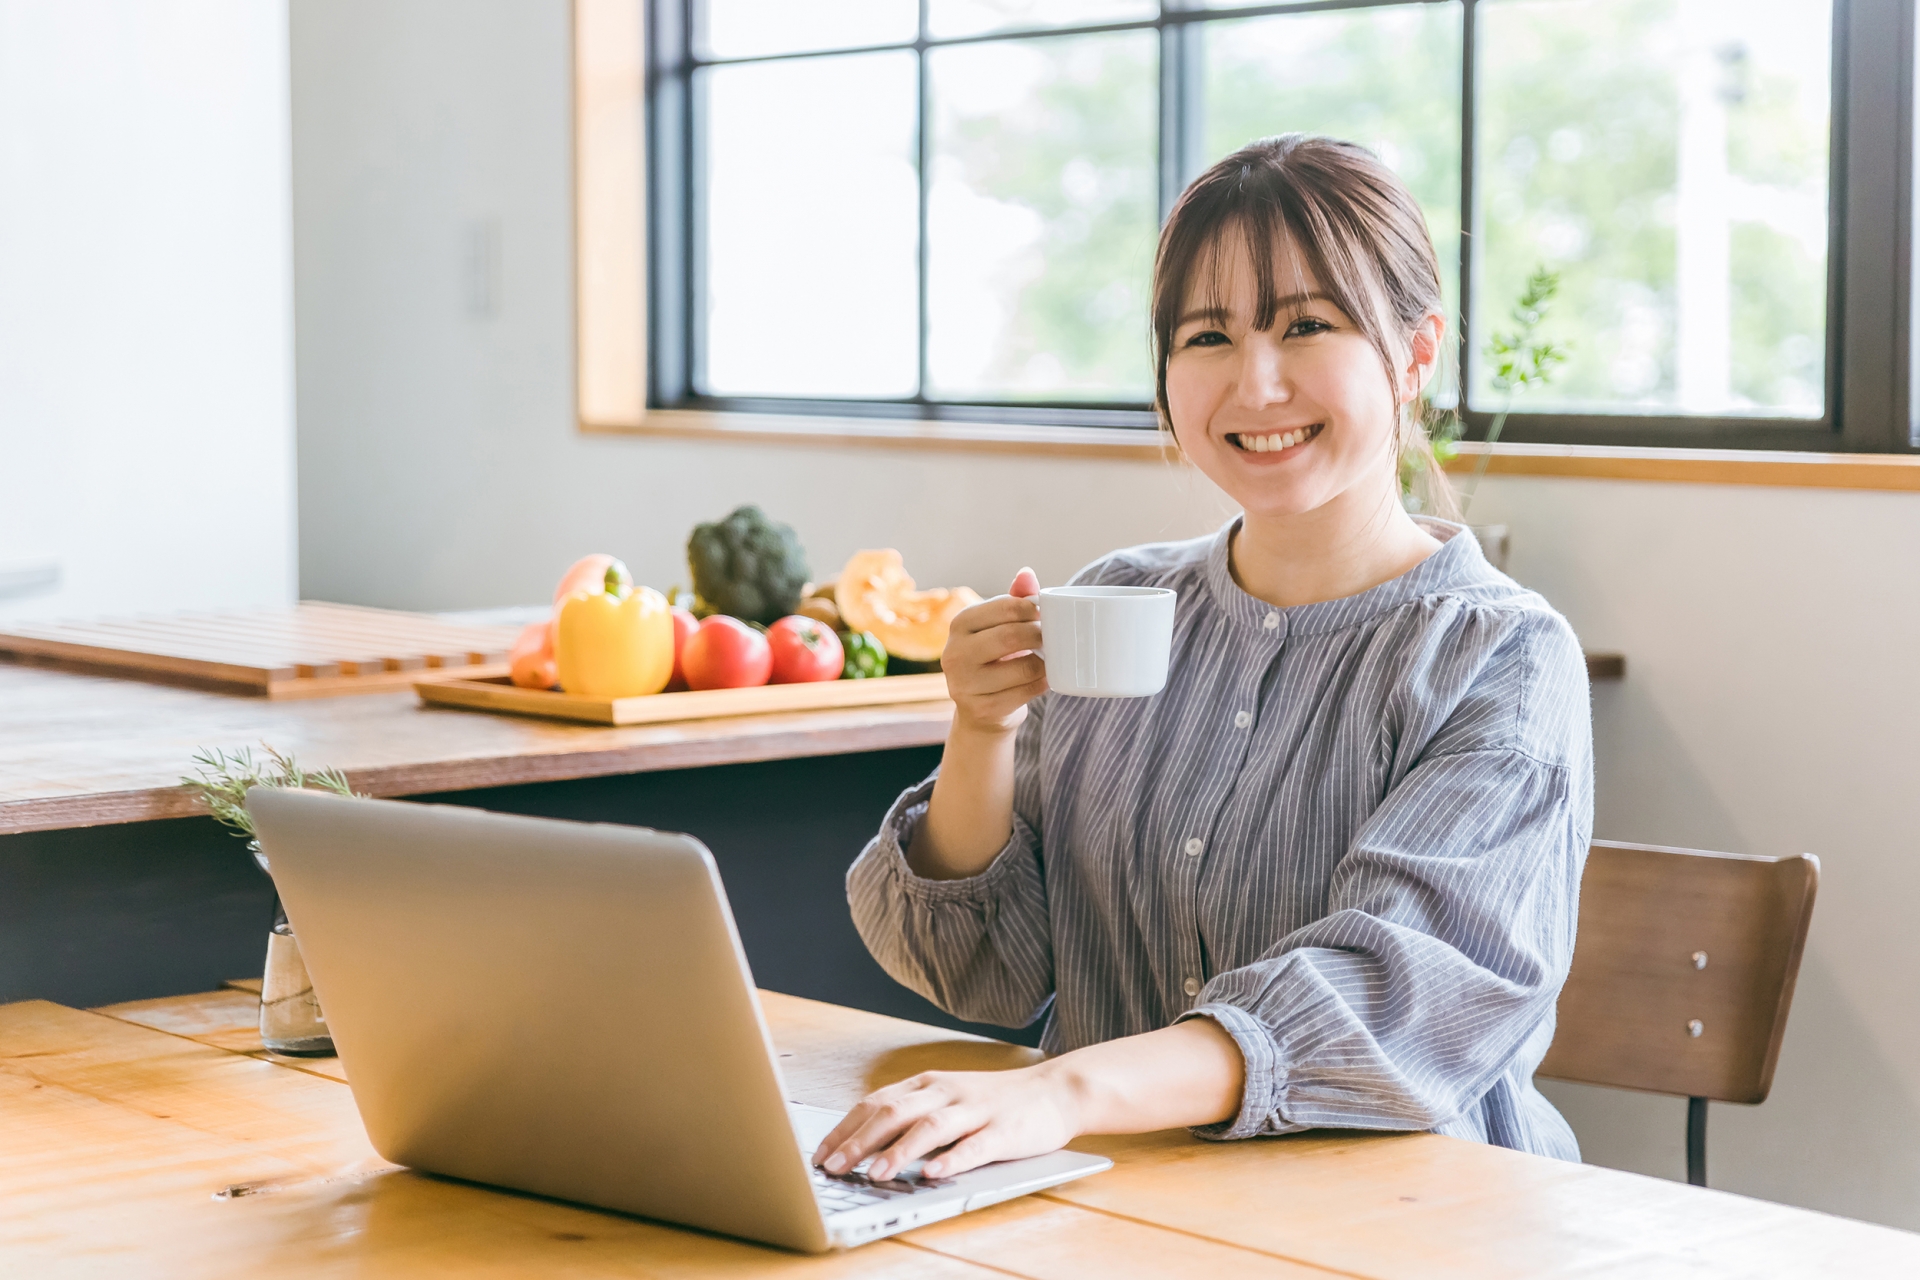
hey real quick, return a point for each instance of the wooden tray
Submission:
(501, 696)
(308, 650)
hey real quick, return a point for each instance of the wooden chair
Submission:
(1683, 970)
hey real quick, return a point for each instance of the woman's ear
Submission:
(1423, 355)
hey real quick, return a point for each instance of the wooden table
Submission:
(83, 750)
(156, 1139)
(80, 750)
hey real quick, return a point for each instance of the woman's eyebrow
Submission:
(1221, 313)
(1205, 313)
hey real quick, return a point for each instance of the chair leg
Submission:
(1697, 1141)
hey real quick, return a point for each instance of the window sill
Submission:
(1896, 472)
(905, 433)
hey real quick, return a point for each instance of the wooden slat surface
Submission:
(78, 750)
(118, 1135)
(312, 649)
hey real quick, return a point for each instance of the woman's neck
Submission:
(1346, 546)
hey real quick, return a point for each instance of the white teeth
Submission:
(1277, 442)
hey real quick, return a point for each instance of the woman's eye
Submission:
(1306, 326)
(1207, 338)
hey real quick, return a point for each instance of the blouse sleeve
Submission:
(1448, 934)
(980, 947)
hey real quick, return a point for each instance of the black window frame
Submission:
(1871, 402)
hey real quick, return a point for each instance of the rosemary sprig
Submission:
(224, 777)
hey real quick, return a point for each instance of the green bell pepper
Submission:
(866, 656)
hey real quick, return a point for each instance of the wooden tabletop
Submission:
(156, 1139)
(81, 750)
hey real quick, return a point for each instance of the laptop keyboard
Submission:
(837, 1192)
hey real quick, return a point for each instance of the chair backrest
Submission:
(1683, 970)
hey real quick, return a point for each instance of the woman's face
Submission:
(1289, 419)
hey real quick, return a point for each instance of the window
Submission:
(947, 208)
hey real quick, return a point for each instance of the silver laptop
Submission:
(564, 1008)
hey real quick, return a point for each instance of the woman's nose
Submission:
(1263, 377)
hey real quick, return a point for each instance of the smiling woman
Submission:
(1296, 286)
(1327, 875)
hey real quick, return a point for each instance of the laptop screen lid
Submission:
(557, 1007)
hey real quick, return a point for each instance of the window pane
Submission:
(748, 28)
(811, 233)
(1042, 218)
(1386, 78)
(949, 18)
(1669, 158)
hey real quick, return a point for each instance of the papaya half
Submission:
(874, 593)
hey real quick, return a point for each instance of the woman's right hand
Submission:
(992, 668)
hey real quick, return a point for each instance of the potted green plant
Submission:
(291, 1021)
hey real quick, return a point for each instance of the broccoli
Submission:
(747, 566)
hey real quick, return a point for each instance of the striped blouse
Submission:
(1351, 833)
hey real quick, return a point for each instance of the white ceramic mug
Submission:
(1106, 642)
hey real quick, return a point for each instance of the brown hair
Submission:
(1347, 220)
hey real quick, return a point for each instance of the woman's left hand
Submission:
(982, 1116)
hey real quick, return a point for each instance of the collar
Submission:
(1457, 563)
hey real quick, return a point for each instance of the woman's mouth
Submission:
(1273, 441)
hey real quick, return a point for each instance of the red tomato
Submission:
(804, 650)
(684, 625)
(726, 653)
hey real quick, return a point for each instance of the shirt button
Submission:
(1194, 847)
(1273, 622)
(1191, 986)
(1241, 719)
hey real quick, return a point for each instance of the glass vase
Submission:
(291, 1022)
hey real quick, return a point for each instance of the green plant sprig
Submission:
(1520, 359)
(223, 779)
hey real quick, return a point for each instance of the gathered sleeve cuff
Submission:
(1265, 1076)
(896, 834)
(978, 947)
(1449, 931)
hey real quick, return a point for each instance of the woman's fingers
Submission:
(991, 644)
(978, 1148)
(997, 676)
(1025, 583)
(931, 1132)
(855, 1118)
(882, 1124)
(992, 613)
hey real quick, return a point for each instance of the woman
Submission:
(1328, 876)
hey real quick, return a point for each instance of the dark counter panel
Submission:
(98, 915)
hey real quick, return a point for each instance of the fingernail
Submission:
(836, 1162)
(935, 1168)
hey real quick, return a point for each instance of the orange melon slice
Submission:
(875, 594)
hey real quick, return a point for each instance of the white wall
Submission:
(146, 378)
(439, 463)
(1773, 636)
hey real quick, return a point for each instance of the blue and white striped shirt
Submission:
(1349, 832)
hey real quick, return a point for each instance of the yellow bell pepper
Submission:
(614, 645)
